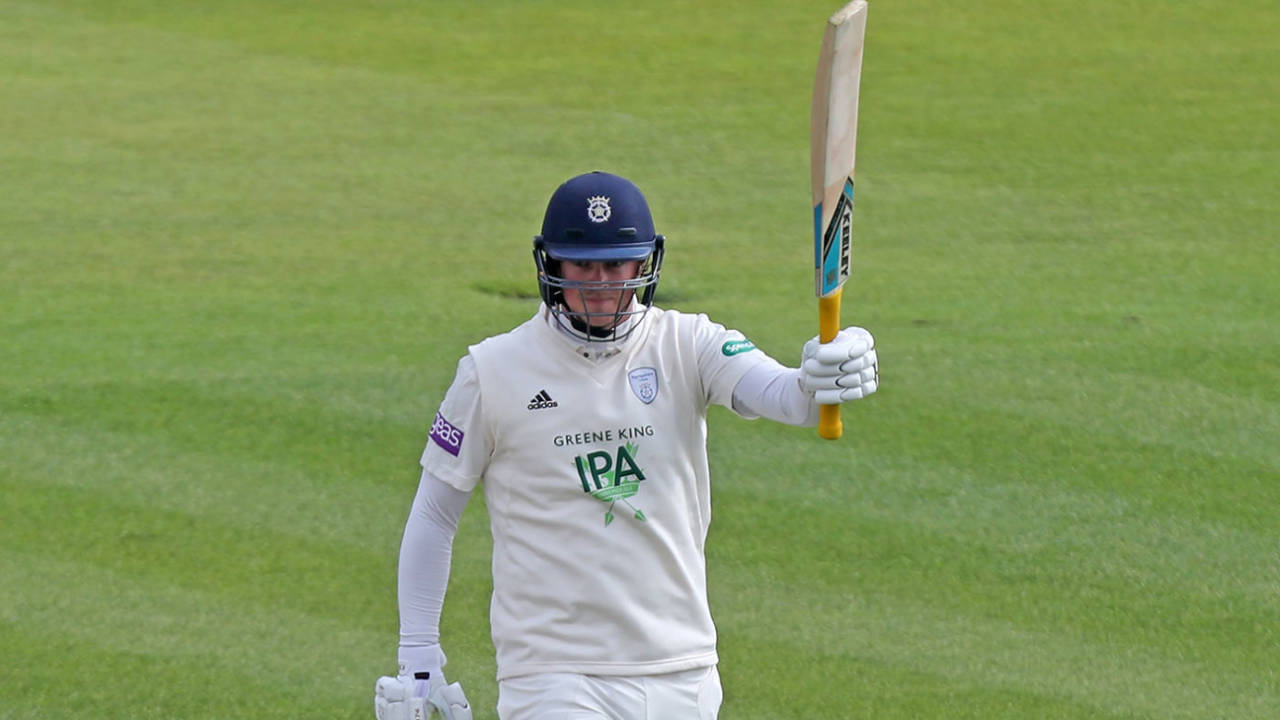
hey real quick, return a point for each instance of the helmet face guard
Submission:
(598, 217)
(635, 295)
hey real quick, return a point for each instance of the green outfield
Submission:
(243, 244)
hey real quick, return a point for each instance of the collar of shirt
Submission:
(594, 349)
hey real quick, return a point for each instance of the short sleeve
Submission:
(724, 356)
(458, 446)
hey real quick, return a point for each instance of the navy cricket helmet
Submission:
(598, 217)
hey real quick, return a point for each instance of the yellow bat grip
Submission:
(829, 424)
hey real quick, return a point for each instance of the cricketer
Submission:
(586, 426)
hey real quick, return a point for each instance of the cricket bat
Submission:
(833, 133)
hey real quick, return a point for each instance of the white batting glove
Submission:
(844, 369)
(423, 663)
(394, 699)
(451, 702)
(419, 689)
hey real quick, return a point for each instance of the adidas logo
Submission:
(542, 401)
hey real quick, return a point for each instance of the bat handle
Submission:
(829, 424)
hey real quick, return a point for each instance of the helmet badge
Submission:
(598, 209)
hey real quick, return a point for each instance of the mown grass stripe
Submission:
(903, 633)
(243, 567)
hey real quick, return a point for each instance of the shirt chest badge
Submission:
(644, 383)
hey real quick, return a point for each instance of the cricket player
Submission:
(587, 427)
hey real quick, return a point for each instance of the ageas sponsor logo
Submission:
(446, 435)
(737, 347)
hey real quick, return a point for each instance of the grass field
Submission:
(242, 245)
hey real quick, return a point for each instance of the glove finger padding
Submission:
(394, 700)
(845, 394)
(451, 702)
(813, 367)
(865, 361)
(391, 689)
(836, 352)
(867, 379)
(844, 369)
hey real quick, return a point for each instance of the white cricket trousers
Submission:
(687, 695)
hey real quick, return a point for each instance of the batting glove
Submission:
(424, 663)
(844, 369)
(419, 689)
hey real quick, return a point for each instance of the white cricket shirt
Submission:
(596, 481)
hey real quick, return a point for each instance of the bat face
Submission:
(833, 133)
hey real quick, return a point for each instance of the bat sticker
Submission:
(837, 241)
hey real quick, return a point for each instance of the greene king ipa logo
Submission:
(612, 478)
